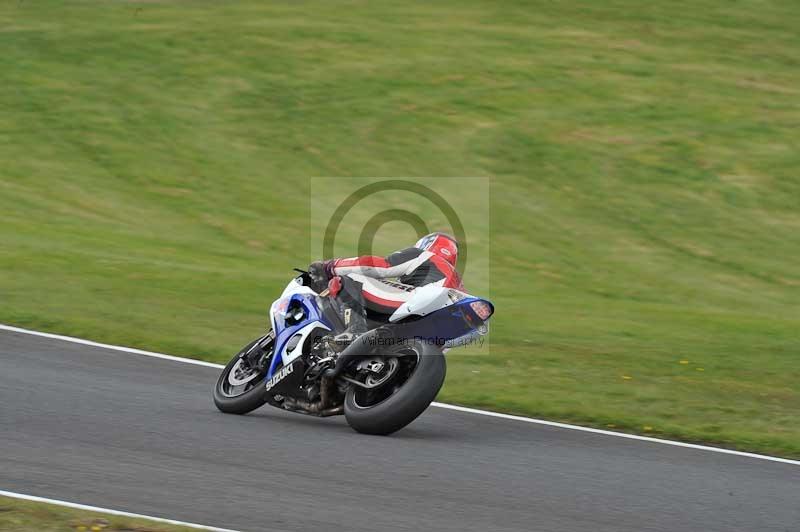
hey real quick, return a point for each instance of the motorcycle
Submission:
(381, 381)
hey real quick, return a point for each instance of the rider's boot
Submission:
(355, 320)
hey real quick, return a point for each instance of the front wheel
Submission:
(238, 389)
(418, 374)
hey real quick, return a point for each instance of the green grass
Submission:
(645, 209)
(23, 516)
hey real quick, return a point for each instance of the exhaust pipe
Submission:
(321, 408)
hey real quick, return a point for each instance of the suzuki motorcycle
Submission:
(381, 381)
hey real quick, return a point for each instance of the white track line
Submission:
(109, 511)
(439, 405)
(108, 346)
(617, 434)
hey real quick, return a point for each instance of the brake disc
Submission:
(238, 375)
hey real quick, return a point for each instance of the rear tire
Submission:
(250, 399)
(404, 405)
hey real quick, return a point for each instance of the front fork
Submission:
(259, 352)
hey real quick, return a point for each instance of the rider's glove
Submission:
(319, 272)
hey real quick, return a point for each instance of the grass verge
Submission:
(17, 515)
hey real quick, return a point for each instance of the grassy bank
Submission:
(24, 516)
(645, 202)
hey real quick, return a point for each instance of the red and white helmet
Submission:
(440, 244)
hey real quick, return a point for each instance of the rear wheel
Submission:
(238, 389)
(406, 385)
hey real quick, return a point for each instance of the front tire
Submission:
(241, 398)
(390, 413)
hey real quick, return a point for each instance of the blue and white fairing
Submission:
(295, 316)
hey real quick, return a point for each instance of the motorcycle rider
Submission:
(359, 284)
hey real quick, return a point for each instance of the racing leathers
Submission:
(361, 285)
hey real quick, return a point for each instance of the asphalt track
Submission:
(118, 430)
